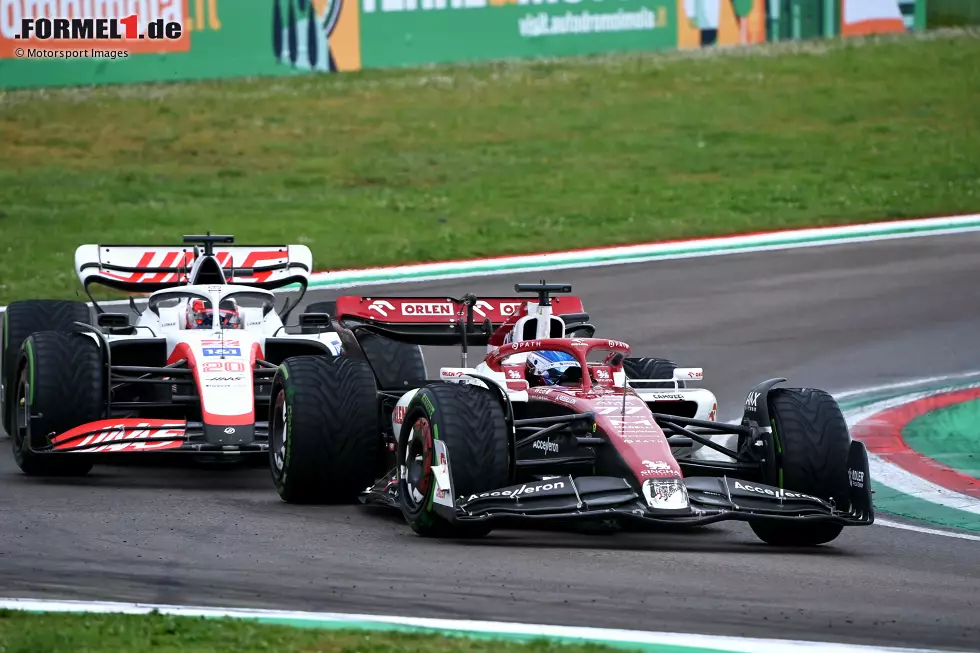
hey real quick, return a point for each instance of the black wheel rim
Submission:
(278, 435)
(415, 469)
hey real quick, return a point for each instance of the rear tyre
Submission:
(324, 429)
(397, 364)
(20, 320)
(470, 422)
(812, 445)
(61, 380)
(652, 368)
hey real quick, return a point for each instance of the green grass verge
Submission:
(417, 165)
(22, 632)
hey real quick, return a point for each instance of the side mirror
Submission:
(112, 320)
(314, 322)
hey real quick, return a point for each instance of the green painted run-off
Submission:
(950, 435)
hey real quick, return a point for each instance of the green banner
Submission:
(412, 32)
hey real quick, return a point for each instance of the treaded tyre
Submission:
(20, 320)
(66, 382)
(470, 422)
(651, 368)
(397, 364)
(324, 429)
(812, 445)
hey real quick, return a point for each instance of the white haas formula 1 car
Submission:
(190, 372)
(554, 424)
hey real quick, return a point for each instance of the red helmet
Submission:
(200, 315)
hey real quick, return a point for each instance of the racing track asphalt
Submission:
(835, 317)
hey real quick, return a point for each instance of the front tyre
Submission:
(812, 444)
(324, 429)
(470, 422)
(21, 319)
(61, 383)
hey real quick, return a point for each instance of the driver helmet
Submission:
(552, 368)
(200, 315)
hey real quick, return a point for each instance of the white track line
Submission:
(922, 529)
(458, 626)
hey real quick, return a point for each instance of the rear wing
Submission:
(439, 320)
(147, 268)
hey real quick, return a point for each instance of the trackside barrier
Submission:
(233, 38)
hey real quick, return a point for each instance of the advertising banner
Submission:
(412, 32)
(861, 17)
(219, 38)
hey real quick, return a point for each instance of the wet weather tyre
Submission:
(812, 445)
(470, 423)
(651, 368)
(20, 320)
(61, 380)
(397, 364)
(324, 429)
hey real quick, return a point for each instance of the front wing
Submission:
(145, 435)
(604, 498)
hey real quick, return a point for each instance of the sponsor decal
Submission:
(546, 446)
(618, 344)
(381, 306)
(536, 488)
(602, 374)
(643, 439)
(228, 379)
(657, 468)
(513, 374)
(666, 396)
(770, 492)
(613, 410)
(118, 437)
(527, 344)
(578, 342)
(220, 343)
(399, 415)
(667, 494)
(565, 399)
(542, 391)
(506, 309)
(230, 430)
(451, 374)
(856, 478)
(427, 308)
(751, 399)
(222, 351)
(641, 424)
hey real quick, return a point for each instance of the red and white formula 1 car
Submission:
(549, 426)
(190, 372)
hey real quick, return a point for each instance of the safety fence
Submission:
(232, 38)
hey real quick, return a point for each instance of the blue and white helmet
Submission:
(552, 368)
